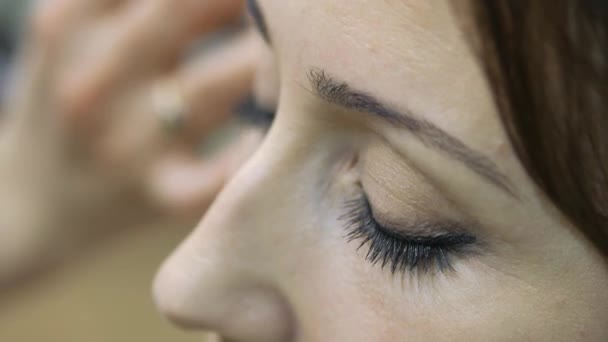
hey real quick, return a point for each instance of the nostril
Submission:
(171, 295)
(259, 314)
(238, 311)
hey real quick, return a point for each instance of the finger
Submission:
(26, 99)
(154, 32)
(53, 19)
(183, 184)
(150, 34)
(36, 62)
(205, 91)
(169, 25)
(214, 84)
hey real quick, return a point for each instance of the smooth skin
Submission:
(270, 262)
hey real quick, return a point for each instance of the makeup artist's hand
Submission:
(104, 119)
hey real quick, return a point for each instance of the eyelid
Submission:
(405, 198)
(440, 236)
(430, 231)
(404, 252)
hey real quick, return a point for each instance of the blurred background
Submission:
(100, 292)
(12, 14)
(102, 296)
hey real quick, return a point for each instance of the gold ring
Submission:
(170, 106)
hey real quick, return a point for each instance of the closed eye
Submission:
(401, 252)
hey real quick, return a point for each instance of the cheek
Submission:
(330, 295)
(336, 294)
(339, 296)
(333, 292)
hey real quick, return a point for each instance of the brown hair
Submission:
(547, 61)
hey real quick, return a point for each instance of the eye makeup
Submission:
(402, 221)
(420, 248)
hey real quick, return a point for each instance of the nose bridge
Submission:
(221, 276)
(247, 214)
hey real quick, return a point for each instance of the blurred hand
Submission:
(103, 120)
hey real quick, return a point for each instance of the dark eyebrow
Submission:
(258, 19)
(341, 94)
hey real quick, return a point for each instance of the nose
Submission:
(221, 277)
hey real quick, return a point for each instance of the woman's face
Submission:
(385, 203)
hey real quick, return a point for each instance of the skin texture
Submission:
(270, 261)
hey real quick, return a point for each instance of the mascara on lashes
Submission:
(406, 251)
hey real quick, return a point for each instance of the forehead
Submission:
(401, 37)
(405, 51)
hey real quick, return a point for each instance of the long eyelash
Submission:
(402, 252)
(250, 112)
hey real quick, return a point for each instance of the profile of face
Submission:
(385, 202)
